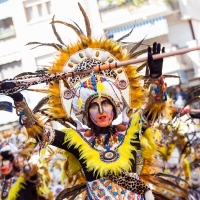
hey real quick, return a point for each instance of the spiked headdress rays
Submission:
(88, 51)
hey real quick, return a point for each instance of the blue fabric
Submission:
(6, 106)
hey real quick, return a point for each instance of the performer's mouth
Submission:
(102, 117)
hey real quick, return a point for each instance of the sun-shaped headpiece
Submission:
(71, 97)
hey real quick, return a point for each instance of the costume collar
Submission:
(92, 157)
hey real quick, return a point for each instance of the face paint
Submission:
(6, 167)
(101, 112)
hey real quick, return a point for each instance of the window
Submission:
(40, 11)
(30, 13)
(48, 4)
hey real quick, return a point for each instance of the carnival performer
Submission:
(108, 153)
(16, 183)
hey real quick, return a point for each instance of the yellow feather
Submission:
(13, 193)
(144, 143)
(149, 147)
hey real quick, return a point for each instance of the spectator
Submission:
(179, 97)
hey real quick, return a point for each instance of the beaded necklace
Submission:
(99, 140)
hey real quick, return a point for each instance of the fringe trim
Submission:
(159, 110)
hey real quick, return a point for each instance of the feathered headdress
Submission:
(65, 97)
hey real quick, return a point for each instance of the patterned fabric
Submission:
(89, 64)
(106, 189)
(129, 182)
(139, 162)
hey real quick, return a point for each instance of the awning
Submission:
(149, 28)
(9, 58)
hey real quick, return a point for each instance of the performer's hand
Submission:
(16, 96)
(155, 66)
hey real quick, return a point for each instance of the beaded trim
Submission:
(158, 88)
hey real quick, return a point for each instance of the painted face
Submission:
(7, 167)
(197, 151)
(101, 112)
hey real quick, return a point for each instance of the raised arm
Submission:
(44, 134)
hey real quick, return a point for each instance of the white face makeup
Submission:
(6, 167)
(101, 112)
(6, 163)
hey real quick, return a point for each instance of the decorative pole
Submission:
(24, 82)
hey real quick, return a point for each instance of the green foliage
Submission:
(138, 2)
(117, 2)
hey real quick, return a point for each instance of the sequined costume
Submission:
(15, 184)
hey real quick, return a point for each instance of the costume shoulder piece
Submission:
(102, 162)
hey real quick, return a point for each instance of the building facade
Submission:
(175, 26)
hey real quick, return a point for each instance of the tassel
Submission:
(80, 102)
(100, 88)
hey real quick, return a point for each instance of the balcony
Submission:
(7, 29)
(6, 33)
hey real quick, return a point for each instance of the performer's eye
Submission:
(94, 105)
(105, 103)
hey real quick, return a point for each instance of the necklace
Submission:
(99, 140)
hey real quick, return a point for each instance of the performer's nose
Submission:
(100, 108)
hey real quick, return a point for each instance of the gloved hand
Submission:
(155, 66)
(195, 116)
(16, 96)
